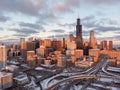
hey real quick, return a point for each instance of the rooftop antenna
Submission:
(78, 15)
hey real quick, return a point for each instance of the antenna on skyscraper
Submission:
(78, 15)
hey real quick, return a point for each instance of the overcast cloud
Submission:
(58, 16)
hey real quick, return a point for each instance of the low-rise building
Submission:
(21, 79)
(31, 59)
(78, 53)
(47, 62)
(71, 45)
(61, 61)
(6, 80)
(84, 64)
(95, 53)
(73, 58)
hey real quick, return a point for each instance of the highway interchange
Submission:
(88, 75)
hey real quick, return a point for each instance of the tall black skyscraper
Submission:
(79, 40)
(78, 29)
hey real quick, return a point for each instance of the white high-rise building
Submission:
(3, 56)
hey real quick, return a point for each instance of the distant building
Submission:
(71, 38)
(93, 41)
(22, 43)
(39, 60)
(113, 62)
(73, 58)
(104, 44)
(6, 80)
(56, 44)
(64, 43)
(57, 52)
(42, 51)
(118, 63)
(71, 45)
(79, 39)
(15, 46)
(21, 79)
(84, 64)
(94, 53)
(61, 61)
(78, 53)
(41, 43)
(68, 52)
(110, 45)
(30, 39)
(47, 43)
(23, 47)
(111, 54)
(30, 46)
(3, 56)
(31, 59)
(47, 62)
(11, 68)
(86, 44)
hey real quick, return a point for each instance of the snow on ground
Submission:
(90, 88)
(53, 82)
(105, 80)
(38, 88)
(99, 85)
(78, 87)
(114, 69)
(39, 68)
(43, 83)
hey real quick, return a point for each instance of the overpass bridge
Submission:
(90, 74)
(79, 77)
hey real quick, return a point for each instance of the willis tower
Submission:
(79, 39)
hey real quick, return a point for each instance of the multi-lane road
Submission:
(76, 77)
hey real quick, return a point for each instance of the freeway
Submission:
(95, 71)
(80, 77)
(90, 72)
(109, 73)
(46, 84)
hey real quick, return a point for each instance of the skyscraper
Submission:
(30, 45)
(22, 43)
(3, 56)
(23, 47)
(93, 40)
(71, 38)
(31, 60)
(110, 45)
(64, 44)
(104, 44)
(79, 40)
(79, 29)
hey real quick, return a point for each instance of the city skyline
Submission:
(42, 18)
(59, 45)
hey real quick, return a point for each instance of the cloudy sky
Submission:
(48, 18)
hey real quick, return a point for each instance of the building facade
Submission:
(6, 80)
(31, 59)
(79, 39)
(93, 41)
(3, 56)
